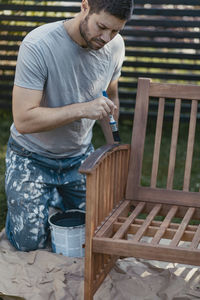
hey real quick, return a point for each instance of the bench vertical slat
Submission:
(156, 154)
(190, 146)
(137, 143)
(117, 174)
(107, 174)
(97, 257)
(172, 156)
(100, 180)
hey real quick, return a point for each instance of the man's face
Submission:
(98, 29)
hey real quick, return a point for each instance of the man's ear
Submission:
(84, 5)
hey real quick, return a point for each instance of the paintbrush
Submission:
(113, 124)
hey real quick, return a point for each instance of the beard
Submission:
(91, 43)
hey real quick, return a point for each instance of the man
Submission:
(62, 69)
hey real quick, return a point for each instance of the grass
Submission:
(125, 129)
(164, 156)
(5, 123)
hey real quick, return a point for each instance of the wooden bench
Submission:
(116, 197)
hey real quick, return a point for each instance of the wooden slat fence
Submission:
(162, 42)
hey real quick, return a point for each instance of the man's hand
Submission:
(99, 108)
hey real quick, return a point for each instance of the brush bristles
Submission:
(116, 136)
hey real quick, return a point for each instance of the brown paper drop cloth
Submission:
(42, 275)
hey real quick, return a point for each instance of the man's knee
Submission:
(26, 238)
(22, 243)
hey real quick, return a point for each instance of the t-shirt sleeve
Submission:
(31, 71)
(120, 56)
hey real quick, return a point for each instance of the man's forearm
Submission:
(30, 117)
(40, 119)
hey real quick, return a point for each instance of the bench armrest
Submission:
(106, 172)
(92, 162)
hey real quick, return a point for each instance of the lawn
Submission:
(5, 122)
(125, 128)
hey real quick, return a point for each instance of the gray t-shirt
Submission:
(51, 61)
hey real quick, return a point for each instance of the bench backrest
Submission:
(175, 94)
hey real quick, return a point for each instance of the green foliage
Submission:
(125, 129)
(164, 156)
(5, 122)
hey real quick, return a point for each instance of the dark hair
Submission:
(121, 9)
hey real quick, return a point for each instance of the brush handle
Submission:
(112, 122)
(113, 125)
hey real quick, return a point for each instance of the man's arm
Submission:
(112, 92)
(30, 117)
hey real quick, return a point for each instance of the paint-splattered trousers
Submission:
(33, 183)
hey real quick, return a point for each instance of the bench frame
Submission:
(116, 198)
